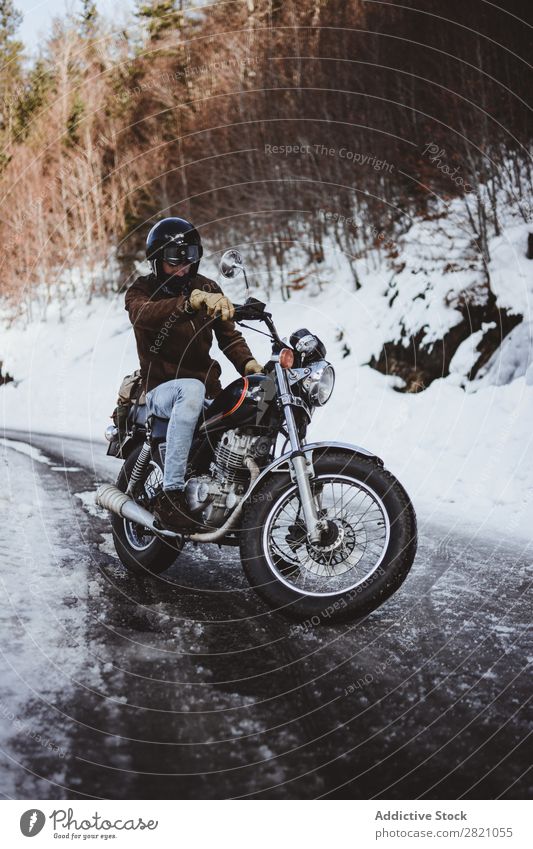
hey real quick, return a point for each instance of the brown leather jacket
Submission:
(172, 343)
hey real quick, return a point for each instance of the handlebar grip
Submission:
(241, 311)
(235, 314)
(253, 310)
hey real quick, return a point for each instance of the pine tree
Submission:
(10, 20)
(160, 17)
(88, 18)
(31, 98)
(72, 137)
(10, 65)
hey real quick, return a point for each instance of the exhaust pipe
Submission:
(112, 498)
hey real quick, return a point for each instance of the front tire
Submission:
(356, 568)
(141, 551)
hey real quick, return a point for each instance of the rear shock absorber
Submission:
(139, 468)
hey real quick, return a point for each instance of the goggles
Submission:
(181, 254)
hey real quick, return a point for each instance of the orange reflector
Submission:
(286, 358)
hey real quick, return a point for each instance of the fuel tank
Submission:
(246, 401)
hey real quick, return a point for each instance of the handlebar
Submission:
(252, 310)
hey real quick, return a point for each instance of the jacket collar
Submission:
(163, 290)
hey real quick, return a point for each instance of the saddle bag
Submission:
(130, 394)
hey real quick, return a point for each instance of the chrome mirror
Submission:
(231, 264)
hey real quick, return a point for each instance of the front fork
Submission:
(303, 470)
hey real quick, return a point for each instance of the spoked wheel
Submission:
(349, 551)
(139, 549)
(363, 556)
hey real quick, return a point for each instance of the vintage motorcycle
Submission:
(325, 532)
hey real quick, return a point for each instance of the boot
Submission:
(171, 512)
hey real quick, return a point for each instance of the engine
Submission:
(215, 495)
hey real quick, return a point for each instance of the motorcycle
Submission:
(325, 532)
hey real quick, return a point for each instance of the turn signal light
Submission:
(286, 358)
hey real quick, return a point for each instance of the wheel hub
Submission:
(332, 537)
(335, 546)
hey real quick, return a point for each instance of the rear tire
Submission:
(391, 567)
(157, 555)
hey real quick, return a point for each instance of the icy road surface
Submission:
(187, 687)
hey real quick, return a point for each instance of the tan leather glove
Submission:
(215, 303)
(253, 367)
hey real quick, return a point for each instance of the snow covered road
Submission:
(187, 687)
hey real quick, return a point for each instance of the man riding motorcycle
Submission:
(173, 312)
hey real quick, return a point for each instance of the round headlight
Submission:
(325, 385)
(319, 384)
(111, 433)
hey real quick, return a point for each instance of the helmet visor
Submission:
(183, 254)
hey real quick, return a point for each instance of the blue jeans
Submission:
(179, 401)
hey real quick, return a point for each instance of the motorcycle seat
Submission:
(139, 417)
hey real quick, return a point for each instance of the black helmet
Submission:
(176, 241)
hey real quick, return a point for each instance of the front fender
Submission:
(281, 464)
